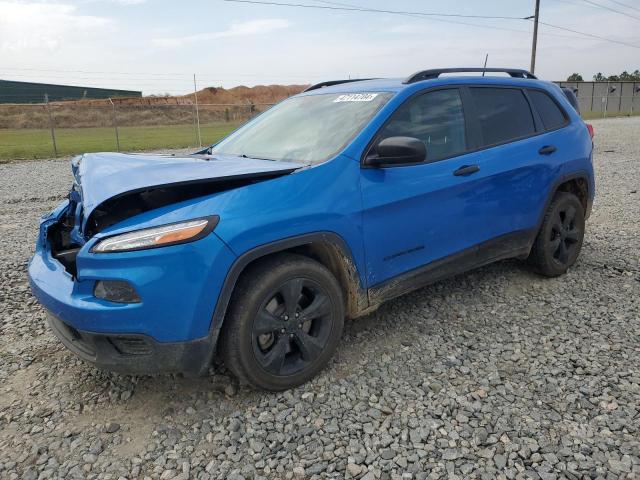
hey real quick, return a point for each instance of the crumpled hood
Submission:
(102, 176)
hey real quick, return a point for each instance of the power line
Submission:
(373, 10)
(127, 80)
(572, 2)
(430, 16)
(625, 5)
(605, 7)
(493, 28)
(581, 3)
(101, 78)
(490, 27)
(178, 75)
(455, 22)
(589, 35)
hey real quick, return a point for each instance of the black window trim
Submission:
(473, 130)
(470, 132)
(567, 119)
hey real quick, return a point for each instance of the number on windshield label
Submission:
(356, 97)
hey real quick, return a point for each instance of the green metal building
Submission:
(28, 92)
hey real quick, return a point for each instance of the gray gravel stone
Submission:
(500, 461)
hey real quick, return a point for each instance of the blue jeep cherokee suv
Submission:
(255, 249)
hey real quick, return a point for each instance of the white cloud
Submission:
(28, 26)
(252, 27)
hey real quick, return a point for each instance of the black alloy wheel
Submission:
(559, 241)
(565, 235)
(284, 322)
(292, 328)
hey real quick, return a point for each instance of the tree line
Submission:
(599, 77)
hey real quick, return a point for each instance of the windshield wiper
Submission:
(243, 155)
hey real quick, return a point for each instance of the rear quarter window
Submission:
(550, 113)
(503, 113)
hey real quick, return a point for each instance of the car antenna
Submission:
(485, 64)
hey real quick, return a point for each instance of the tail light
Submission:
(590, 128)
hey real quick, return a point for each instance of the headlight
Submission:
(154, 237)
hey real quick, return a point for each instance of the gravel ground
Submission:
(498, 373)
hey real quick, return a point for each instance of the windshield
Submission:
(308, 129)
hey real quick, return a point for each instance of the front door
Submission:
(418, 214)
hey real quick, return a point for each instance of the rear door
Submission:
(519, 160)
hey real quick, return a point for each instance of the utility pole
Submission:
(535, 37)
(51, 125)
(195, 94)
(115, 123)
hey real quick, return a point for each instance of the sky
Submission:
(158, 45)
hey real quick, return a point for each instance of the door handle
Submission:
(547, 150)
(466, 170)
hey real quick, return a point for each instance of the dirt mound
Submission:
(217, 105)
(242, 94)
(260, 94)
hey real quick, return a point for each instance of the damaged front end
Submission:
(130, 204)
(142, 309)
(61, 232)
(110, 188)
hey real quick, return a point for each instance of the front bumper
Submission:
(169, 330)
(134, 354)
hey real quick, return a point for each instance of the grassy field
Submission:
(36, 143)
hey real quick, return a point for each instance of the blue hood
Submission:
(102, 176)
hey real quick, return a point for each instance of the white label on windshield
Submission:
(356, 97)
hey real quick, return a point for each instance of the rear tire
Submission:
(284, 322)
(559, 240)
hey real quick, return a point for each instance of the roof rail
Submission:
(436, 72)
(333, 82)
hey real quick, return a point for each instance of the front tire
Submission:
(284, 322)
(560, 238)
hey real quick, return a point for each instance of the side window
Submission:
(436, 118)
(503, 113)
(551, 115)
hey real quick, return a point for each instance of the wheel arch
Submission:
(327, 248)
(576, 183)
(579, 186)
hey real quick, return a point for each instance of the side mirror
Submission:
(396, 152)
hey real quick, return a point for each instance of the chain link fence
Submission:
(56, 129)
(65, 128)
